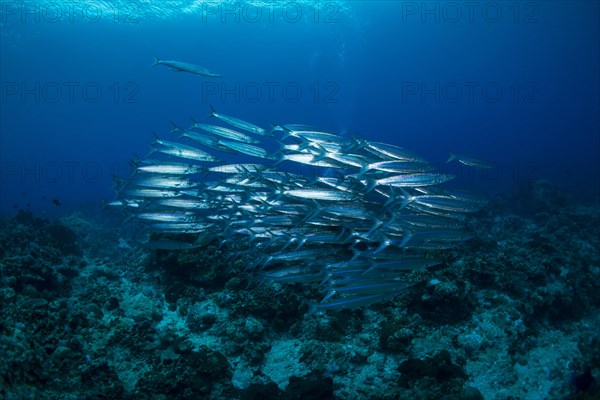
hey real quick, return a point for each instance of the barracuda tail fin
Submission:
(133, 166)
(280, 144)
(403, 198)
(118, 183)
(213, 113)
(355, 253)
(364, 167)
(175, 128)
(272, 129)
(156, 61)
(363, 170)
(286, 132)
(451, 156)
(104, 204)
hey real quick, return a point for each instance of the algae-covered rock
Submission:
(196, 374)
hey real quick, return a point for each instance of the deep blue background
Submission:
(542, 56)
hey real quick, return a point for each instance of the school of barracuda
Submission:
(355, 215)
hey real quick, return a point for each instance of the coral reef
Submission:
(512, 314)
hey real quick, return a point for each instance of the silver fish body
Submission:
(186, 67)
(305, 205)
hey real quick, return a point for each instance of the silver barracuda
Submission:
(186, 67)
(469, 161)
(171, 169)
(225, 133)
(413, 180)
(359, 218)
(320, 194)
(238, 123)
(247, 149)
(183, 151)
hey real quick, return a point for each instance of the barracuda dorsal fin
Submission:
(213, 113)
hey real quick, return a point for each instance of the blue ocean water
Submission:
(387, 291)
(514, 83)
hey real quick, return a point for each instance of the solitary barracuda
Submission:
(186, 67)
(469, 161)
